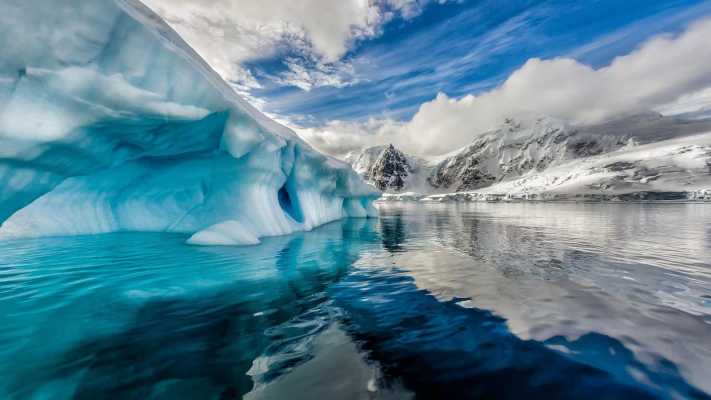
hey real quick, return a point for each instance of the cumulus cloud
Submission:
(228, 33)
(340, 137)
(661, 71)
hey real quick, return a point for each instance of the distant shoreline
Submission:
(698, 196)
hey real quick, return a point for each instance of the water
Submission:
(442, 301)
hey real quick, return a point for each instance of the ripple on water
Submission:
(441, 301)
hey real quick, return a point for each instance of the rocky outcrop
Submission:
(389, 171)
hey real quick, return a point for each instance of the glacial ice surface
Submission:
(109, 121)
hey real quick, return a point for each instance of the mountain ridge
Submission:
(515, 150)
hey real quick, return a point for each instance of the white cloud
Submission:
(659, 72)
(228, 33)
(698, 102)
(339, 137)
(408, 8)
(306, 77)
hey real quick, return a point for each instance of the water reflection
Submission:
(440, 349)
(173, 330)
(479, 301)
(559, 272)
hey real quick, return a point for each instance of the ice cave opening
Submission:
(289, 203)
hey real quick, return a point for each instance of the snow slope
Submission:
(390, 170)
(110, 122)
(362, 161)
(518, 148)
(528, 148)
(674, 169)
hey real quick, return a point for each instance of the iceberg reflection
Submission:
(432, 302)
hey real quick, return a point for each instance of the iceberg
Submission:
(110, 122)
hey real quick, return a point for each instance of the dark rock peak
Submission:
(390, 170)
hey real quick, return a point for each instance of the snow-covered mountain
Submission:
(389, 169)
(518, 149)
(362, 161)
(109, 122)
(673, 169)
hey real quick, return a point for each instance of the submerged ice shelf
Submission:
(110, 122)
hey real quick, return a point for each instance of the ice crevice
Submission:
(116, 124)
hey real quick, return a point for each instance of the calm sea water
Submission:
(443, 301)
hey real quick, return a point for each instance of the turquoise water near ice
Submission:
(438, 301)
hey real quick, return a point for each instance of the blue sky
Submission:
(431, 74)
(467, 48)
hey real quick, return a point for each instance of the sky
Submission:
(429, 75)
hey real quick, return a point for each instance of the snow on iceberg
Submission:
(109, 121)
